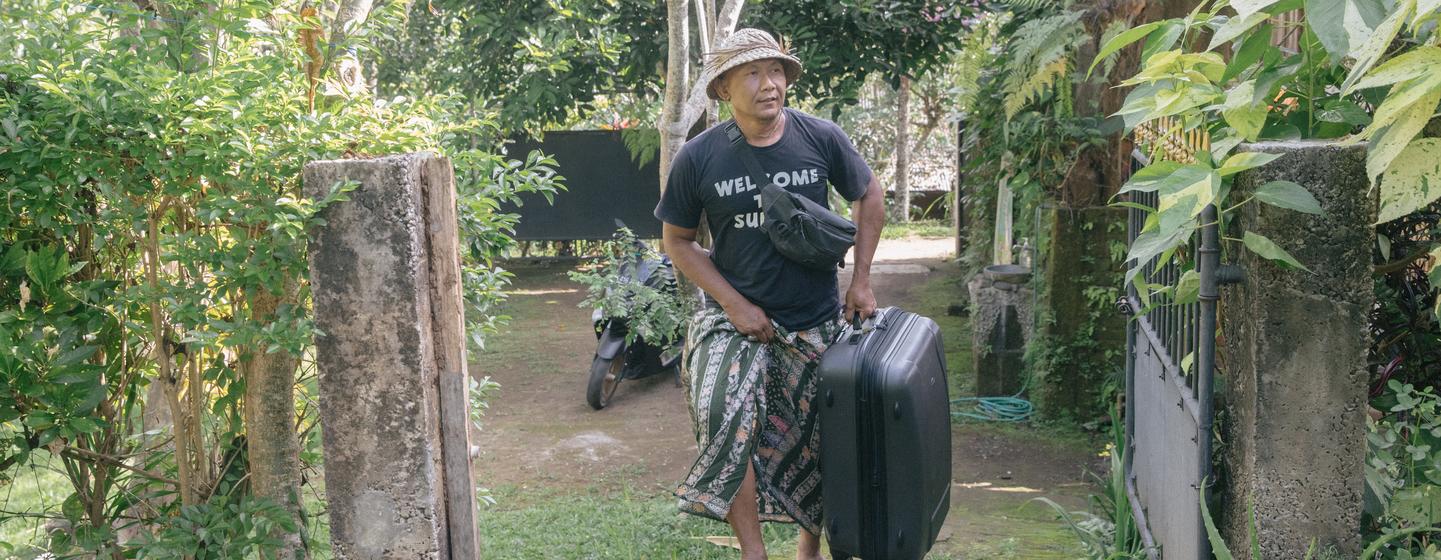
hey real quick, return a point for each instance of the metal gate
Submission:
(1170, 355)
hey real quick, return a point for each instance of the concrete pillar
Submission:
(382, 287)
(1293, 362)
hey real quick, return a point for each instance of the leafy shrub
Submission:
(1403, 472)
(656, 313)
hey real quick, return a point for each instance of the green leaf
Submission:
(14, 260)
(73, 509)
(1218, 544)
(1254, 529)
(1188, 290)
(1223, 144)
(1410, 64)
(1343, 111)
(1162, 40)
(1268, 249)
(38, 268)
(80, 375)
(1285, 194)
(1247, 7)
(1186, 193)
(93, 396)
(75, 356)
(1401, 98)
(84, 425)
(1234, 27)
(1413, 182)
(1394, 139)
(1242, 111)
(1140, 103)
(1424, 10)
(1121, 41)
(1370, 51)
(1150, 244)
(1185, 97)
(1250, 52)
(1133, 205)
(1340, 24)
(1245, 161)
(1148, 179)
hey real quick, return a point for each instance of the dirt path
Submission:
(539, 432)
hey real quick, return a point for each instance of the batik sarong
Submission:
(754, 402)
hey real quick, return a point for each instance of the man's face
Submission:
(755, 89)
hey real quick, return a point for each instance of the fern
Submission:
(1115, 28)
(1041, 53)
(643, 144)
(1038, 84)
(1034, 4)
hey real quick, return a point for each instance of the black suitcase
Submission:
(885, 438)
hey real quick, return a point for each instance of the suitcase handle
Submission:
(855, 337)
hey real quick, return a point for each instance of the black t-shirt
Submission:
(708, 175)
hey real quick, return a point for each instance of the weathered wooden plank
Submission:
(448, 328)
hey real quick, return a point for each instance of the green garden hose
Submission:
(994, 409)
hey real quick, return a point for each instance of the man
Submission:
(753, 350)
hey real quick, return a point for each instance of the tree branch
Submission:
(78, 453)
(726, 19)
(1400, 264)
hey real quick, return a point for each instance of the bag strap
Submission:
(748, 156)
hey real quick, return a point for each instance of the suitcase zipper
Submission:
(875, 508)
(877, 537)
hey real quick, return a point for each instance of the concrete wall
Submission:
(1082, 340)
(1293, 358)
(379, 401)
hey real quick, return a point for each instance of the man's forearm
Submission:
(870, 214)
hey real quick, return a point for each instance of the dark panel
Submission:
(603, 183)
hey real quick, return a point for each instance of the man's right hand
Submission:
(750, 320)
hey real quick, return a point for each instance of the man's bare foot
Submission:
(808, 546)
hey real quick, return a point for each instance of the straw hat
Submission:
(746, 45)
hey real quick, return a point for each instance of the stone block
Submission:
(1000, 327)
(378, 379)
(1292, 359)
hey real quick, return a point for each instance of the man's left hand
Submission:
(860, 298)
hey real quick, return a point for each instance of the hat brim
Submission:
(791, 64)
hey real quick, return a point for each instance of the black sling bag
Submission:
(800, 229)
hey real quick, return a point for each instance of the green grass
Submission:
(917, 229)
(1006, 528)
(593, 524)
(943, 289)
(37, 489)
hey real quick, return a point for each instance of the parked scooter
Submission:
(615, 360)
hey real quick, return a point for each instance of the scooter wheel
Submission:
(605, 376)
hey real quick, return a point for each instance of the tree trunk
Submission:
(677, 84)
(274, 448)
(903, 150)
(686, 102)
(1100, 171)
(348, 18)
